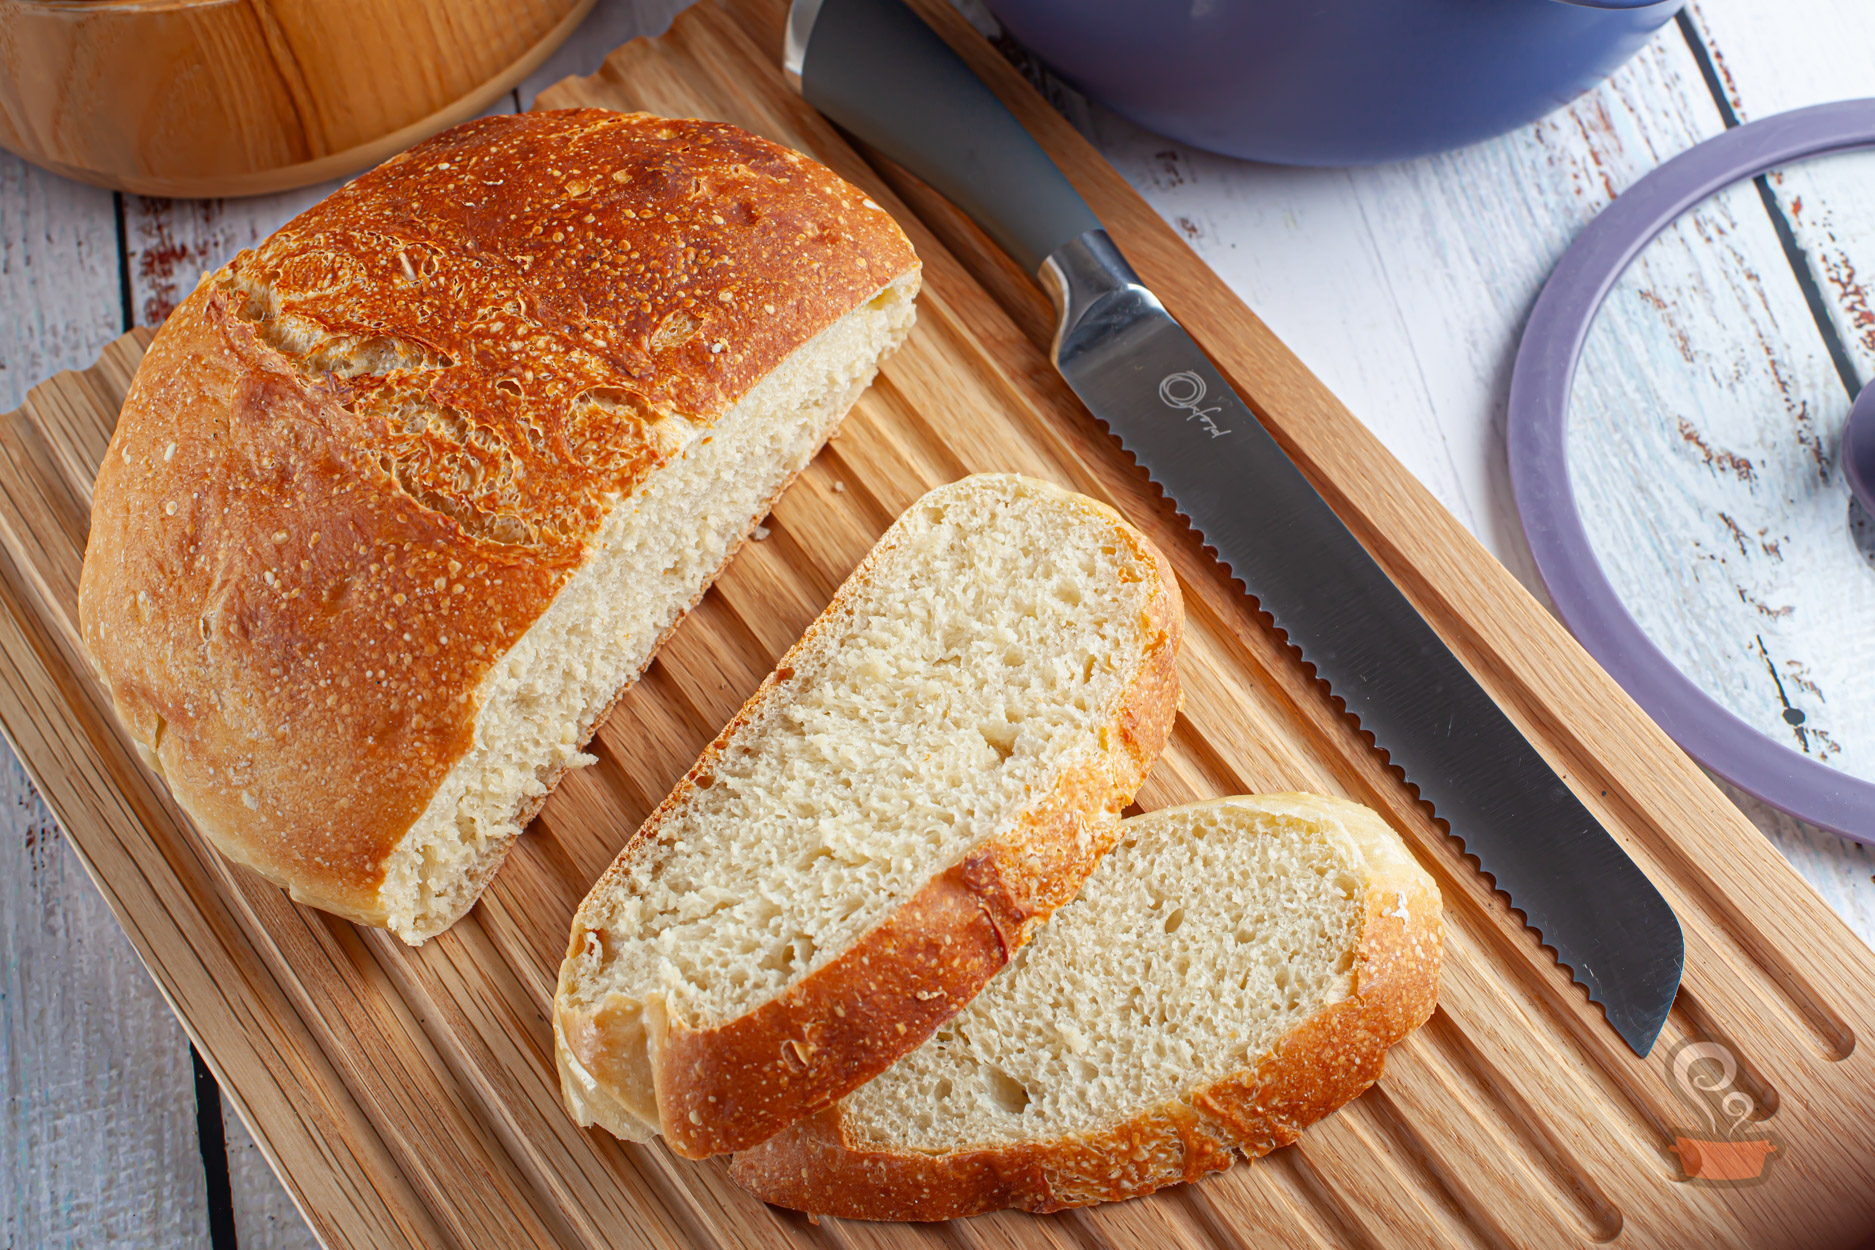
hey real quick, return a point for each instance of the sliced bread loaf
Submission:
(934, 768)
(1233, 971)
(401, 499)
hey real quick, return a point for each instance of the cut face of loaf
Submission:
(1232, 971)
(400, 499)
(930, 771)
(654, 556)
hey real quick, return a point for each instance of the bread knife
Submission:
(877, 70)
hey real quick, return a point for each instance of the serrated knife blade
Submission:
(877, 70)
(1144, 378)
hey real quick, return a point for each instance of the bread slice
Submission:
(1233, 971)
(402, 498)
(933, 769)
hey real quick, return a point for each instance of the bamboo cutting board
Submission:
(408, 1097)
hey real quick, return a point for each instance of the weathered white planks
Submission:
(611, 23)
(58, 276)
(1403, 286)
(1704, 444)
(169, 244)
(1701, 443)
(1429, 265)
(264, 1215)
(99, 1080)
(1770, 58)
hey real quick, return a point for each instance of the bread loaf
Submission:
(932, 769)
(401, 499)
(1233, 971)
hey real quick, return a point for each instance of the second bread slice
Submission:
(933, 769)
(1232, 972)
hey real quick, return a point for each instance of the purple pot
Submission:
(1333, 82)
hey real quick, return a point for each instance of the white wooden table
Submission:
(1404, 287)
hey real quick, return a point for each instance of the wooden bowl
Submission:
(242, 97)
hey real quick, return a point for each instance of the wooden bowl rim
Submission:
(332, 165)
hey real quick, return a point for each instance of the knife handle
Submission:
(875, 69)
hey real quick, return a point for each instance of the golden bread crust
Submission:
(725, 1088)
(1322, 1063)
(361, 460)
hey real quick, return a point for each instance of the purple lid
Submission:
(1539, 468)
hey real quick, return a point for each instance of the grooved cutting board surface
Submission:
(408, 1096)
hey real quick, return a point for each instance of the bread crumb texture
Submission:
(401, 498)
(982, 658)
(1230, 972)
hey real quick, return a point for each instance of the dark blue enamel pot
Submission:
(1333, 82)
